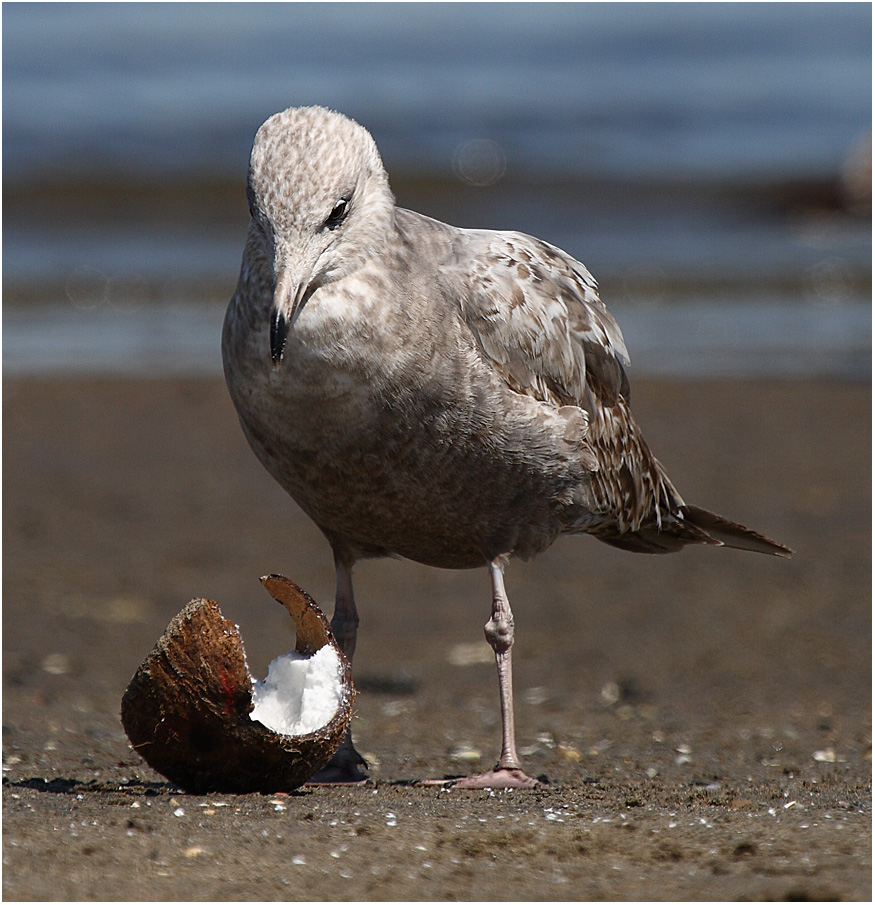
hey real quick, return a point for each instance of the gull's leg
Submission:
(345, 621)
(508, 774)
(344, 765)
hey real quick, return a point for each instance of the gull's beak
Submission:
(288, 298)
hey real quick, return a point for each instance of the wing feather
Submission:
(536, 314)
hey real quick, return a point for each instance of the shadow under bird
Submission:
(457, 397)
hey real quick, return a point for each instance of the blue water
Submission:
(713, 89)
(720, 337)
(652, 141)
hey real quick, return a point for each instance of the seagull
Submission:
(456, 397)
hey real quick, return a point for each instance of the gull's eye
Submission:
(338, 214)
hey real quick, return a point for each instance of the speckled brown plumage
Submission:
(453, 396)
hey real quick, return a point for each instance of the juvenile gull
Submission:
(453, 396)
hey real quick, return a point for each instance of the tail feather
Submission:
(691, 525)
(731, 534)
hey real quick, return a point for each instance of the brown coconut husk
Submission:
(186, 710)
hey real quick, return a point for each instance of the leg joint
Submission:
(499, 632)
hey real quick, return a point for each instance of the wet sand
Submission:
(703, 719)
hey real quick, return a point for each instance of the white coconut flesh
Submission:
(301, 693)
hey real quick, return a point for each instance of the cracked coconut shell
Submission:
(186, 710)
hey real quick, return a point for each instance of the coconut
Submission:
(194, 714)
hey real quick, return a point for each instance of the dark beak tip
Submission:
(279, 329)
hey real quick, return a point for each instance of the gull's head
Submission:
(320, 206)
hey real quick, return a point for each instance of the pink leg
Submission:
(508, 773)
(344, 765)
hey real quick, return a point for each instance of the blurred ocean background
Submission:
(709, 163)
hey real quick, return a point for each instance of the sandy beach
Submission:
(702, 720)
